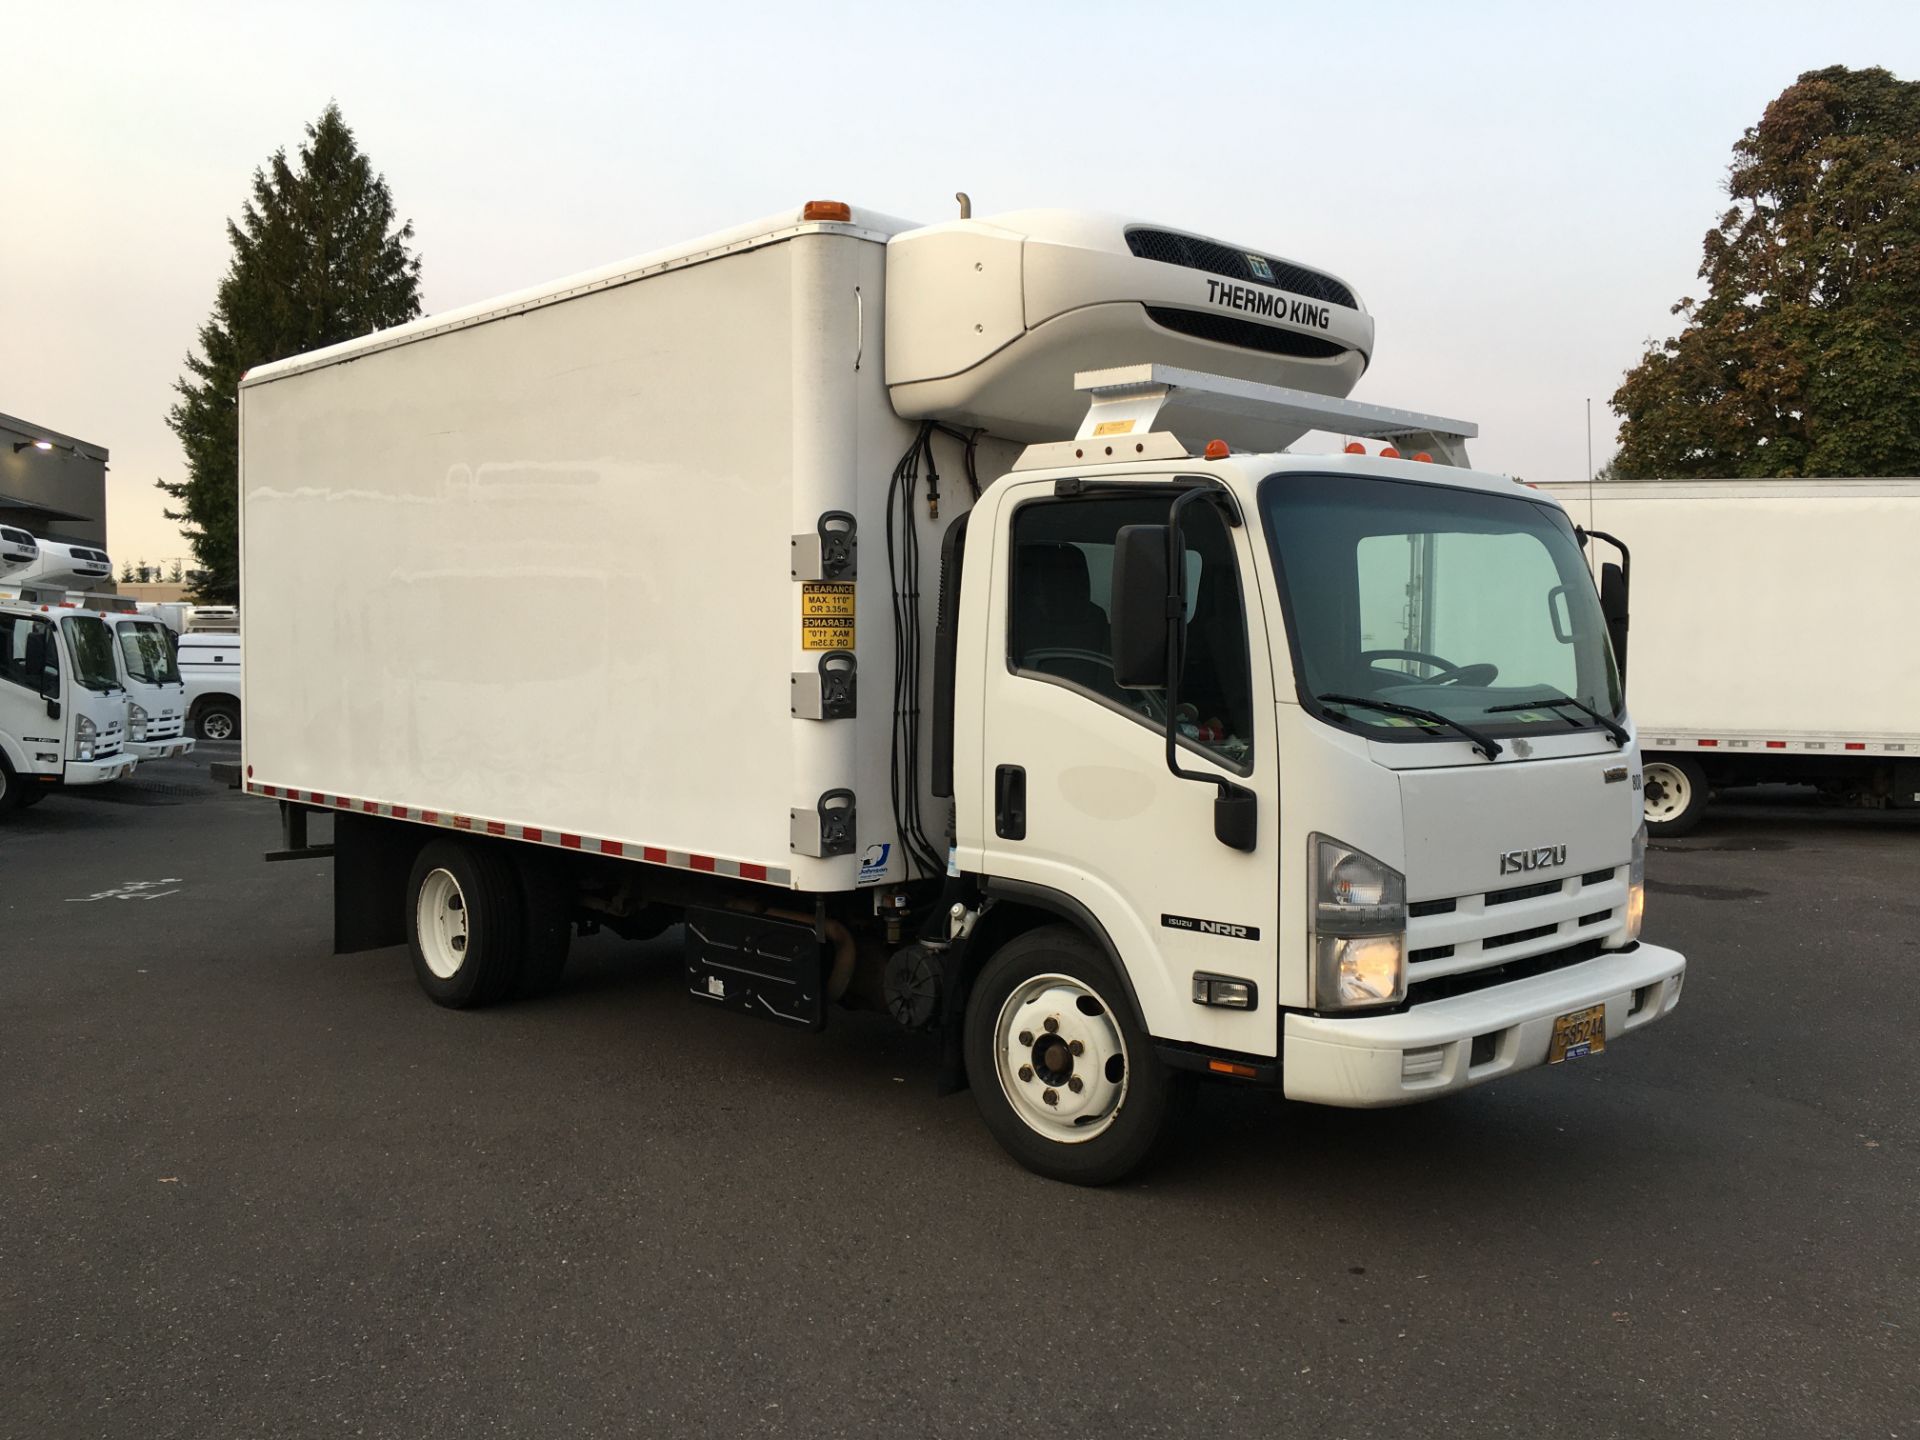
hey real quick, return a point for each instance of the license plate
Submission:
(1578, 1034)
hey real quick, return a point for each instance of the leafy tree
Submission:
(317, 259)
(174, 572)
(1804, 357)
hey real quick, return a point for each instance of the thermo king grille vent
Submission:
(1243, 334)
(1217, 259)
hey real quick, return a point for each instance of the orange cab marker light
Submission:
(827, 210)
(1423, 457)
(1389, 453)
(1354, 447)
(1216, 450)
(1227, 1067)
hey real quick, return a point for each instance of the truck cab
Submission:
(1361, 819)
(145, 656)
(63, 710)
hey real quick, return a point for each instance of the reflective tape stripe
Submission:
(533, 834)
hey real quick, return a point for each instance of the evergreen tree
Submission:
(1804, 359)
(317, 259)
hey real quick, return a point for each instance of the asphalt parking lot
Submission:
(247, 1188)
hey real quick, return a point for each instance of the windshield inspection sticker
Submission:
(132, 890)
(826, 615)
(873, 864)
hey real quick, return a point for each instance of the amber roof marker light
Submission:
(827, 210)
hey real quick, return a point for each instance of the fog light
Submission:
(1423, 1064)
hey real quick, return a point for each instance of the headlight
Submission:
(85, 732)
(136, 722)
(1637, 884)
(1359, 936)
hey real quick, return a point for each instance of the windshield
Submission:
(92, 650)
(147, 649)
(1434, 598)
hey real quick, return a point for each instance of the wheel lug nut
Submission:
(1026, 1074)
(1053, 1025)
(1026, 1037)
(1075, 1083)
(1077, 1048)
(1052, 1097)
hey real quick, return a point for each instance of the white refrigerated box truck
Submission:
(1772, 635)
(1107, 760)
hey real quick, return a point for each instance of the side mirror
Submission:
(1236, 818)
(1138, 607)
(1613, 606)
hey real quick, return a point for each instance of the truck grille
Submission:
(1193, 253)
(1461, 934)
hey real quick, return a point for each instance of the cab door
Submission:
(1078, 797)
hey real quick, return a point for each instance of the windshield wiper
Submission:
(1485, 744)
(1556, 702)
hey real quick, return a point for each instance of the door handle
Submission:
(1010, 802)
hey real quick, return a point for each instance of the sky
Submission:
(1517, 192)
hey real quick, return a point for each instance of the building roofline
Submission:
(30, 431)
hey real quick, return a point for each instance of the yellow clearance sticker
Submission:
(826, 615)
(1113, 427)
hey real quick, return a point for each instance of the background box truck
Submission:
(1772, 635)
(899, 698)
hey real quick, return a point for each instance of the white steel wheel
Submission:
(440, 920)
(1061, 1058)
(1673, 794)
(1063, 1072)
(466, 922)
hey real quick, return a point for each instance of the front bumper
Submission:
(98, 772)
(1362, 1061)
(159, 749)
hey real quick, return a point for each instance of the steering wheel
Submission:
(1150, 703)
(1449, 673)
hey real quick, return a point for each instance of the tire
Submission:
(13, 792)
(465, 924)
(547, 902)
(1121, 1116)
(1673, 794)
(217, 719)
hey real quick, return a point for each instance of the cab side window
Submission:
(27, 652)
(1060, 628)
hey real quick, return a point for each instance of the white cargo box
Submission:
(1768, 613)
(552, 567)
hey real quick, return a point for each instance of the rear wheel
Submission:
(466, 924)
(548, 900)
(1064, 1076)
(1673, 794)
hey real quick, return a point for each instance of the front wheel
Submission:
(1065, 1078)
(1673, 794)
